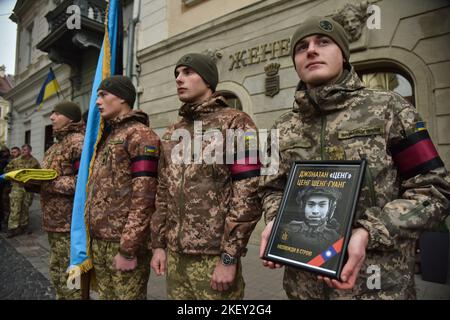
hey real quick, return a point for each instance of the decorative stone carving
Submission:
(353, 18)
(213, 53)
(272, 79)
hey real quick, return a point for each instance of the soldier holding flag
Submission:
(121, 193)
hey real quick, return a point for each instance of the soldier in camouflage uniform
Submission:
(121, 193)
(4, 159)
(15, 152)
(4, 197)
(406, 188)
(20, 199)
(57, 195)
(205, 212)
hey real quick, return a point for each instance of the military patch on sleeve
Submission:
(250, 135)
(415, 154)
(150, 150)
(420, 126)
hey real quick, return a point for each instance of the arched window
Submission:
(232, 100)
(391, 79)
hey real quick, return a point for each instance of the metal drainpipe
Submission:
(130, 54)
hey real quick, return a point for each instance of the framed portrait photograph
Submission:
(314, 221)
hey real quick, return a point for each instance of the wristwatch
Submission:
(228, 259)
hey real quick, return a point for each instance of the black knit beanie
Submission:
(121, 87)
(203, 65)
(322, 26)
(70, 109)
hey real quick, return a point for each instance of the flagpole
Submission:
(80, 240)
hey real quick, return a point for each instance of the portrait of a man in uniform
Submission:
(315, 228)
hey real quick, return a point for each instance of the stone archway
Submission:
(240, 92)
(415, 67)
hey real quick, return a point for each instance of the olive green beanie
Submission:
(322, 26)
(203, 65)
(121, 87)
(69, 109)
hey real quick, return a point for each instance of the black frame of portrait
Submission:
(316, 175)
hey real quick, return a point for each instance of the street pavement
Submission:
(19, 279)
(24, 270)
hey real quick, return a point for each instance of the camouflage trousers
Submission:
(5, 189)
(189, 278)
(119, 285)
(20, 204)
(59, 262)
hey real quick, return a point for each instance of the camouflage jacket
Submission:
(206, 208)
(57, 195)
(122, 186)
(21, 163)
(406, 188)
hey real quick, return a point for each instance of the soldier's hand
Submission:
(158, 262)
(123, 264)
(264, 240)
(223, 276)
(356, 255)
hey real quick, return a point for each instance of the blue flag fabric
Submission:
(109, 63)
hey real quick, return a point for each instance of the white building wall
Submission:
(153, 26)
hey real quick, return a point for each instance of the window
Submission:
(392, 80)
(48, 140)
(28, 44)
(25, 47)
(28, 136)
(232, 100)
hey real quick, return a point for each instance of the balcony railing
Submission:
(91, 9)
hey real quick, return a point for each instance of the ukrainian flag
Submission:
(109, 63)
(49, 88)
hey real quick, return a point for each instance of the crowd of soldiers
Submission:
(191, 222)
(15, 200)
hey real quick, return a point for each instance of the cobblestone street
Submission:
(19, 279)
(24, 271)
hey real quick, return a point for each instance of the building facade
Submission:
(6, 84)
(400, 45)
(48, 37)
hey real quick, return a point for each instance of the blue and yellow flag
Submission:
(109, 63)
(49, 88)
(26, 175)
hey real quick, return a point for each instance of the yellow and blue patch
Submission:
(150, 150)
(420, 126)
(250, 135)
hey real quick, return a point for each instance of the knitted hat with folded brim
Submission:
(121, 87)
(69, 109)
(323, 26)
(203, 65)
